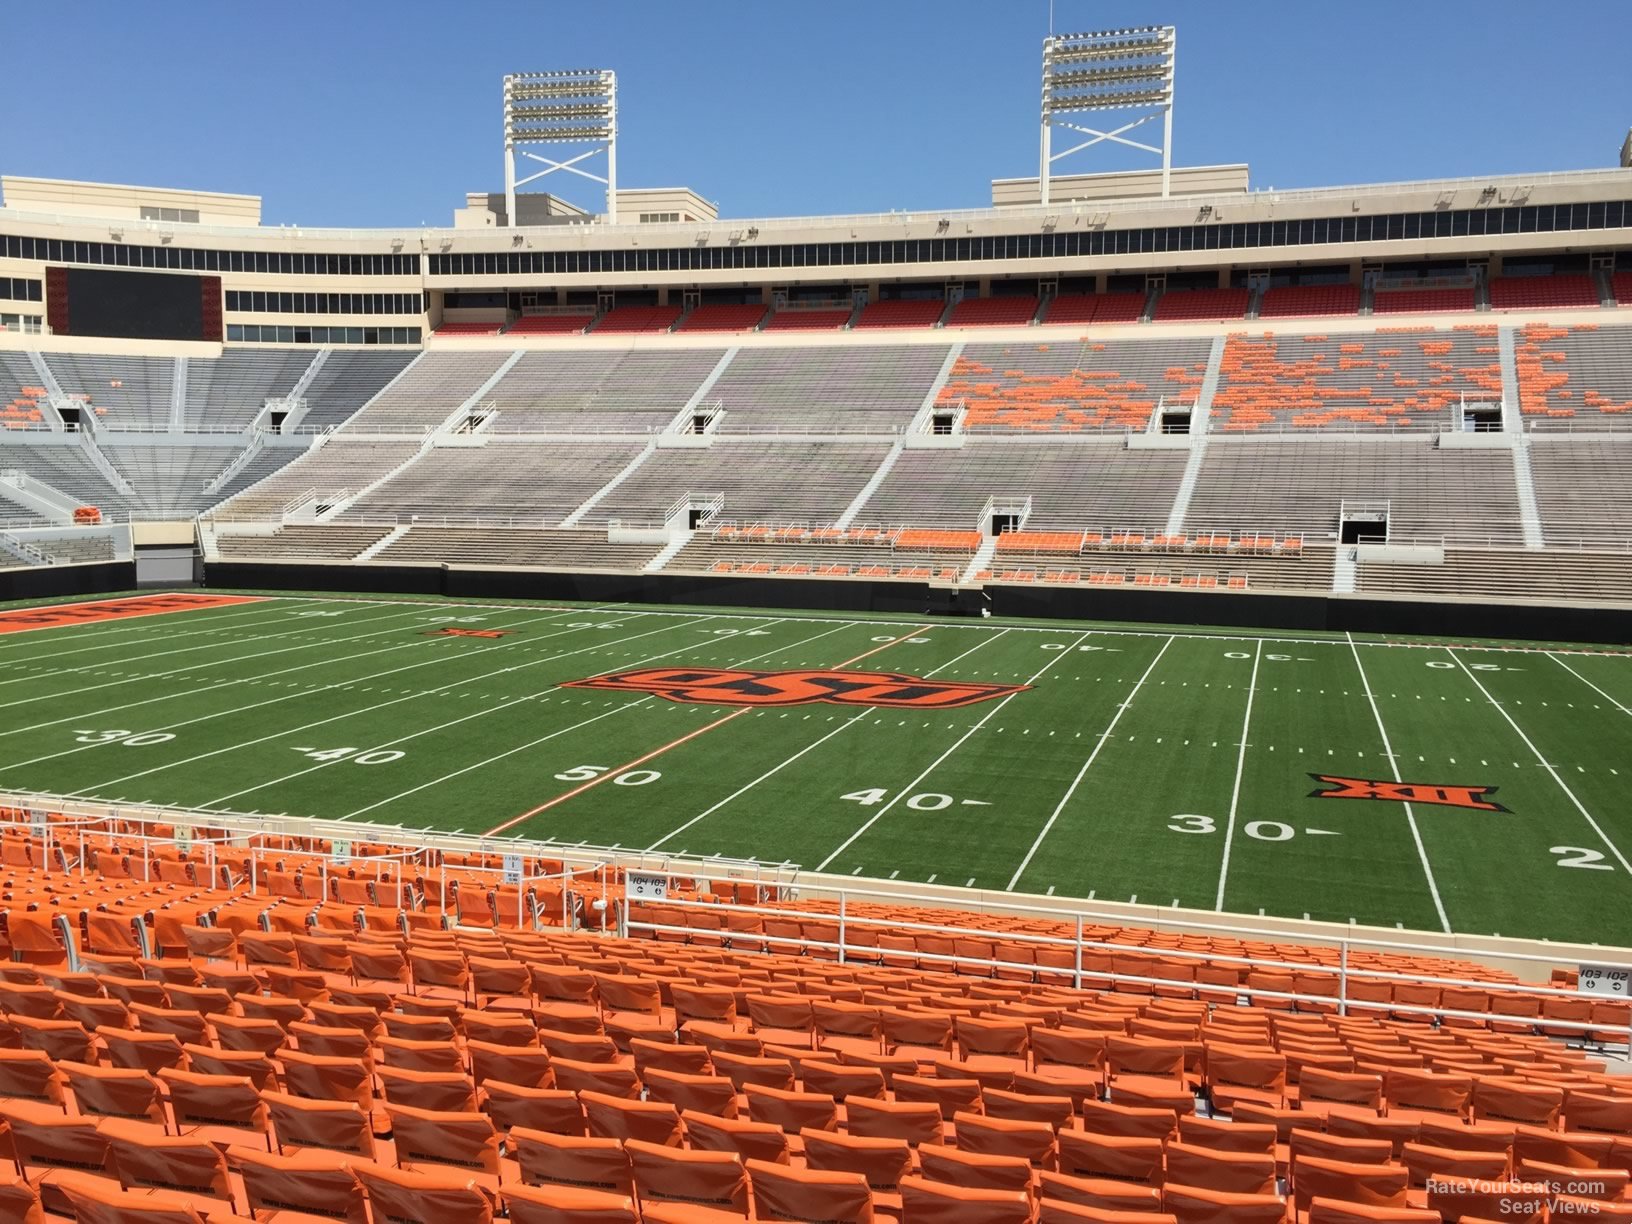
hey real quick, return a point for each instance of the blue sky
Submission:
(357, 113)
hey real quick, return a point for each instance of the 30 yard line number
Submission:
(1258, 830)
(130, 739)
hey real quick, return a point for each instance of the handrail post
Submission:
(1076, 970)
(1343, 978)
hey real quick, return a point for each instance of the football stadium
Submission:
(604, 711)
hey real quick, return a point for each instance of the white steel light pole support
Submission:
(572, 107)
(1107, 70)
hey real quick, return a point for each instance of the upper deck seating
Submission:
(916, 312)
(1308, 301)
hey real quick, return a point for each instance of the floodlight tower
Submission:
(574, 107)
(1110, 70)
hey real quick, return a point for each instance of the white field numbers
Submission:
(357, 756)
(1258, 830)
(588, 773)
(130, 739)
(1611, 980)
(930, 801)
(1580, 856)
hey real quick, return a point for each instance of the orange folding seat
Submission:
(582, 1047)
(545, 1109)
(1330, 1211)
(914, 1121)
(949, 1095)
(669, 1056)
(421, 1196)
(62, 1040)
(310, 1182)
(24, 999)
(1033, 1141)
(206, 1000)
(613, 1117)
(242, 1033)
(280, 1010)
(1105, 1118)
(414, 1055)
(1056, 1111)
(1000, 1042)
(782, 1019)
(1227, 1136)
(144, 1158)
(883, 1162)
(114, 1092)
(318, 1078)
(1414, 1094)
(1353, 1150)
(566, 1205)
(1231, 1074)
(1098, 1193)
(436, 1090)
(1461, 1198)
(20, 1202)
(408, 1027)
(1498, 1099)
(132, 990)
(571, 1075)
(940, 1163)
(1598, 1112)
(212, 1105)
(1370, 1184)
(571, 1160)
(928, 1202)
(792, 1111)
(1397, 1131)
(259, 1069)
(708, 1179)
(467, 1140)
(841, 1081)
(94, 1200)
(1239, 1172)
(1319, 1089)
(713, 1004)
(30, 1075)
(379, 962)
(811, 1195)
(334, 1126)
(1118, 1157)
(186, 1026)
(1423, 1161)
(1202, 1205)
(743, 1069)
(710, 1094)
(91, 1011)
(1572, 1149)
(511, 1064)
(749, 1140)
(334, 1014)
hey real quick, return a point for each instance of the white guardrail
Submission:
(854, 920)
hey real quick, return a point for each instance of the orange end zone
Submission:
(94, 611)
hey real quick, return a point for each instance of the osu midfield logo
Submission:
(1476, 798)
(714, 686)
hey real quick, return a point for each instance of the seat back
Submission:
(928, 1202)
(444, 1137)
(811, 1195)
(883, 1162)
(421, 1196)
(705, 1179)
(571, 1160)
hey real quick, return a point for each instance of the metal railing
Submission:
(1086, 973)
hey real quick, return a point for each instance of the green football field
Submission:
(1473, 788)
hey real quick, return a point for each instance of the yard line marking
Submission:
(1082, 773)
(1235, 791)
(776, 769)
(1102, 628)
(305, 690)
(684, 739)
(907, 789)
(1547, 765)
(180, 671)
(228, 614)
(1410, 813)
(1588, 683)
(362, 710)
(534, 743)
(452, 722)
